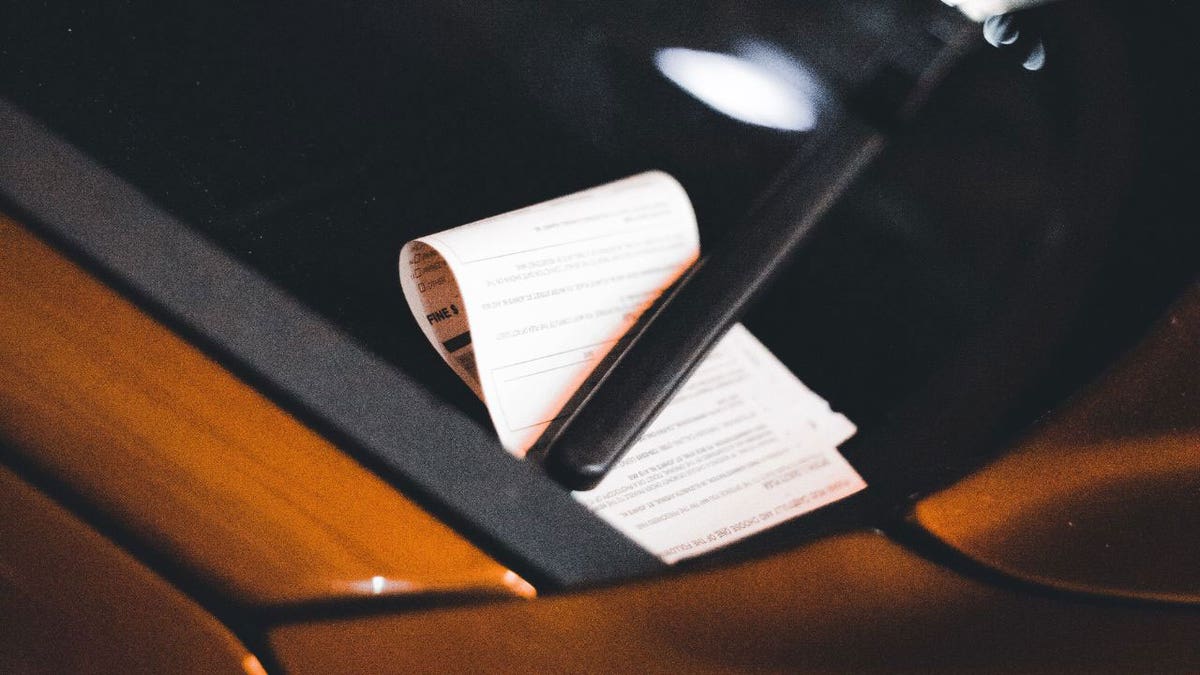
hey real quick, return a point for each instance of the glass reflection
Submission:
(379, 585)
(759, 84)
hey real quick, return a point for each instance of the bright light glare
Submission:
(740, 87)
(378, 585)
(253, 666)
(518, 585)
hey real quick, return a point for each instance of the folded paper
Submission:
(524, 305)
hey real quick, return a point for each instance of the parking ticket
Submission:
(524, 305)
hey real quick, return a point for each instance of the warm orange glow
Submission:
(60, 581)
(252, 666)
(518, 585)
(847, 603)
(136, 421)
(1104, 495)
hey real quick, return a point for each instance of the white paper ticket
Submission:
(524, 305)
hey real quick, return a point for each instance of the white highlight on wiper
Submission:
(744, 87)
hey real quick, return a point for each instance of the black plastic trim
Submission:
(385, 419)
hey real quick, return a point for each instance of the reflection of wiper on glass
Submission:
(628, 389)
